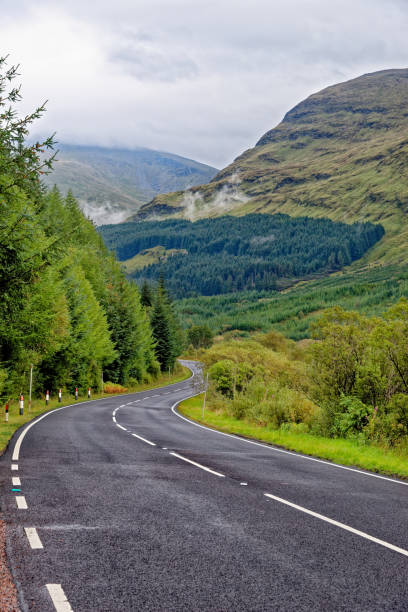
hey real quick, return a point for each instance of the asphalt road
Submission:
(125, 524)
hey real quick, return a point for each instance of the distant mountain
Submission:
(342, 153)
(112, 184)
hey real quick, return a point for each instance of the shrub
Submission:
(110, 387)
(353, 418)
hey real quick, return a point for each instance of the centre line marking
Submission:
(14, 466)
(144, 439)
(16, 482)
(198, 465)
(21, 502)
(33, 537)
(58, 597)
(124, 428)
(402, 551)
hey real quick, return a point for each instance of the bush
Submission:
(110, 387)
(353, 418)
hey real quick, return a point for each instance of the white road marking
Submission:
(122, 406)
(144, 439)
(281, 450)
(244, 484)
(402, 551)
(135, 402)
(157, 395)
(33, 537)
(21, 502)
(124, 428)
(164, 447)
(58, 597)
(198, 465)
(14, 466)
(114, 419)
(16, 482)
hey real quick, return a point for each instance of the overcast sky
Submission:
(201, 78)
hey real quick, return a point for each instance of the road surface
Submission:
(124, 505)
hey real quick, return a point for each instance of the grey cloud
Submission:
(201, 78)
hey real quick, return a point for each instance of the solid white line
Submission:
(14, 466)
(33, 537)
(280, 450)
(124, 428)
(135, 402)
(58, 597)
(198, 465)
(16, 482)
(21, 502)
(114, 419)
(144, 439)
(402, 551)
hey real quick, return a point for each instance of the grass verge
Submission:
(345, 452)
(38, 406)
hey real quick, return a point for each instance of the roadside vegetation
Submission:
(342, 395)
(66, 309)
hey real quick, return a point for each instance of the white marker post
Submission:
(205, 394)
(60, 395)
(21, 404)
(89, 392)
(76, 393)
(31, 387)
(7, 412)
(47, 398)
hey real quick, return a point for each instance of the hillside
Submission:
(111, 184)
(342, 153)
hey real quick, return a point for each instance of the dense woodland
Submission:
(228, 254)
(65, 305)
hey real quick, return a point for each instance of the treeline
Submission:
(228, 254)
(65, 305)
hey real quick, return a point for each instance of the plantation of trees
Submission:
(228, 254)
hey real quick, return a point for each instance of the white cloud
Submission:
(204, 79)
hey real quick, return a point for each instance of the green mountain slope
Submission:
(342, 154)
(111, 184)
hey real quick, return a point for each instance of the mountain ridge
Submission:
(341, 153)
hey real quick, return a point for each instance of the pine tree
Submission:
(146, 298)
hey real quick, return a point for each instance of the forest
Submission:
(228, 254)
(66, 307)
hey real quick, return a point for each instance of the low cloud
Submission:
(224, 200)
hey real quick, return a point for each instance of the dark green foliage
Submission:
(146, 297)
(167, 333)
(65, 305)
(200, 336)
(229, 254)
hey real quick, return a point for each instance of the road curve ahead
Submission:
(122, 505)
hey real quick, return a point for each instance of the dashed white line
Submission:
(402, 551)
(33, 537)
(144, 439)
(58, 597)
(243, 484)
(14, 466)
(203, 467)
(21, 502)
(16, 482)
(124, 428)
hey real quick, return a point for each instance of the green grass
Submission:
(345, 452)
(38, 405)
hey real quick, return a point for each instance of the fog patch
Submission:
(104, 213)
(224, 200)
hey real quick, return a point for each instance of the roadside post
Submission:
(31, 387)
(47, 398)
(7, 412)
(60, 395)
(76, 393)
(89, 392)
(21, 404)
(205, 393)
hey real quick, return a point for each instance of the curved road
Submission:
(124, 505)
